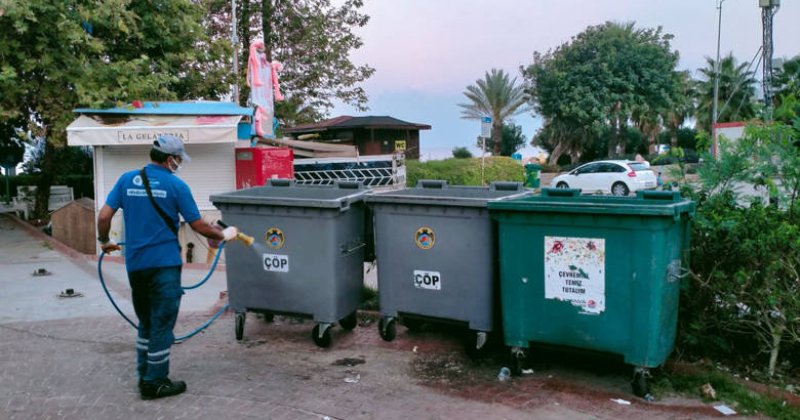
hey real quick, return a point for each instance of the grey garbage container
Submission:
(307, 259)
(436, 256)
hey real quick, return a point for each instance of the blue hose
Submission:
(200, 283)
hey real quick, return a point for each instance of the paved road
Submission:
(73, 358)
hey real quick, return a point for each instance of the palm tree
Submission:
(682, 108)
(787, 80)
(497, 96)
(736, 92)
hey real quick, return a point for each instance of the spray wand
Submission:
(246, 239)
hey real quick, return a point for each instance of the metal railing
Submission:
(372, 171)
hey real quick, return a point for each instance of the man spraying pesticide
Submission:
(153, 198)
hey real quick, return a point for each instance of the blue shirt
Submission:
(149, 242)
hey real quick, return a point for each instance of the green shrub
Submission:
(742, 295)
(464, 171)
(461, 153)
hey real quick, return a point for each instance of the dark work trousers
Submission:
(156, 299)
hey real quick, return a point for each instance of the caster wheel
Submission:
(239, 320)
(269, 317)
(387, 328)
(349, 322)
(517, 361)
(475, 344)
(323, 341)
(641, 384)
(412, 324)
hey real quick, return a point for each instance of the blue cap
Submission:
(171, 145)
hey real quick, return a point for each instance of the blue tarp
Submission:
(175, 108)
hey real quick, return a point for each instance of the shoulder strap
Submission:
(160, 212)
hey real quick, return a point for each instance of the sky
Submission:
(426, 52)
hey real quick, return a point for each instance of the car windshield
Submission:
(636, 166)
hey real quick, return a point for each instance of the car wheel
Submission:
(562, 184)
(619, 188)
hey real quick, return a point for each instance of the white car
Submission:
(617, 177)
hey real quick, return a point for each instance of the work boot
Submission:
(162, 388)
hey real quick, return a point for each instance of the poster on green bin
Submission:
(574, 271)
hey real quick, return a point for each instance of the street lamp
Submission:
(714, 115)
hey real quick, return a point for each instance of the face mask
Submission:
(175, 167)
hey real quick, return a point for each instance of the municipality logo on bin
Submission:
(275, 238)
(424, 238)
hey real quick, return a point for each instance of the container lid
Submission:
(646, 203)
(439, 193)
(284, 192)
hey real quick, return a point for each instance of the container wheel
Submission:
(239, 321)
(412, 324)
(350, 321)
(641, 384)
(324, 340)
(517, 361)
(475, 344)
(387, 328)
(619, 188)
(562, 184)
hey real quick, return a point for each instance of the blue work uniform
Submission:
(153, 259)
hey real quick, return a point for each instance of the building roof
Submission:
(174, 108)
(84, 202)
(346, 121)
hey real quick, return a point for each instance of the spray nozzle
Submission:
(246, 239)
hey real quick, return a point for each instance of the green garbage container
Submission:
(597, 273)
(532, 175)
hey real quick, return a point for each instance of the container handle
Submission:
(561, 192)
(505, 186)
(280, 182)
(349, 185)
(438, 184)
(346, 250)
(674, 196)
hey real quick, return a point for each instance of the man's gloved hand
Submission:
(110, 246)
(229, 233)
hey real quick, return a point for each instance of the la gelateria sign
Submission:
(97, 130)
(574, 271)
(147, 137)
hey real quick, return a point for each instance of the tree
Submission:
(512, 140)
(682, 108)
(312, 39)
(563, 135)
(64, 54)
(736, 92)
(605, 76)
(787, 80)
(496, 96)
(461, 153)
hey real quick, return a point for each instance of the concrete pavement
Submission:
(73, 358)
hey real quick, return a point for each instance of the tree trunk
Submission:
(44, 182)
(244, 17)
(673, 139)
(651, 141)
(556, 153)
(497, 137)
(575, 156)
(777, 335)
(267, 13)
(613, 138)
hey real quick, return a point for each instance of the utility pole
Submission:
(768, 10)
(235, 45)
(717, 66)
